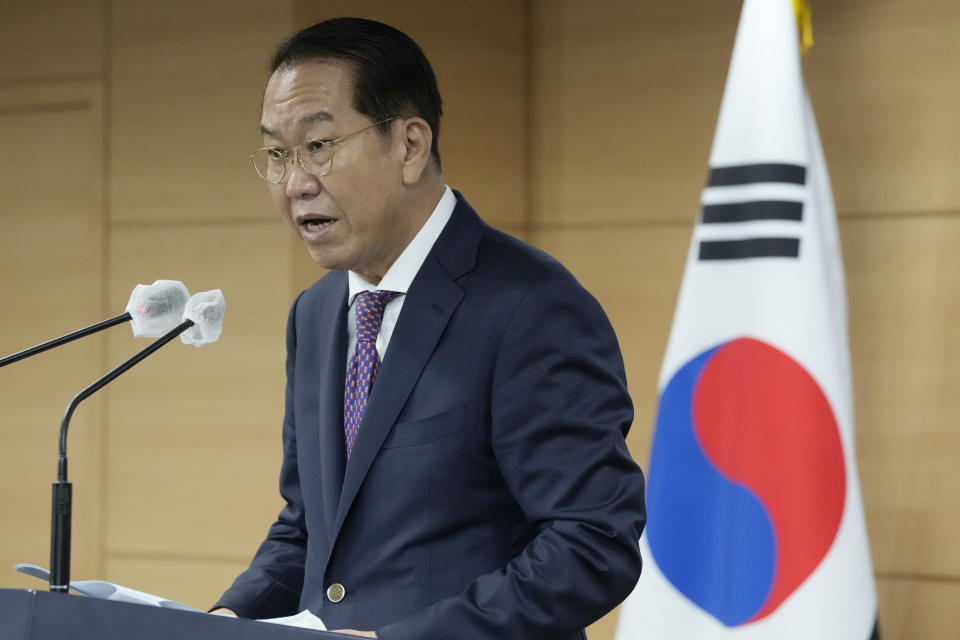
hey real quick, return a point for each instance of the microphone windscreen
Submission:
(206, 310)
(157, 308)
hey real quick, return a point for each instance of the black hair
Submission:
(392, 76)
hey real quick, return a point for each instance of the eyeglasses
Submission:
(313, 156)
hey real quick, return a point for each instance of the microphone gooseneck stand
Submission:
(62, 489)
(70, 337)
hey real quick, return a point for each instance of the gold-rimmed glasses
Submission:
(313, 156)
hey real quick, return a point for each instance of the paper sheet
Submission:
(303, 620)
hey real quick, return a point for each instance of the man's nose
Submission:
(300, 182)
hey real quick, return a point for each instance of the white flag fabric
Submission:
(755, 522)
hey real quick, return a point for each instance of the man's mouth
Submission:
(316, 223)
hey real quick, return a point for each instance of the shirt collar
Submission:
(401, 273)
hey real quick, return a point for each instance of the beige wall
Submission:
(583, 128)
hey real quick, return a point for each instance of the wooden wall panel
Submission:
(49, 40)
(884, 77)
(623, 123)
(918, 609)
(478, 53)
(50, 276)
(194, 434)
(186, 80)
(625, 104)
(605, 627)
(903, 276)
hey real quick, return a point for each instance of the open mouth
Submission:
(316, 223)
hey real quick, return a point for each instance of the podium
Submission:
(40, 615)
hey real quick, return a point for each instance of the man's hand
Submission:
(354, 632)
(223, 611)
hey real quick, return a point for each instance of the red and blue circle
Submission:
(747, 480)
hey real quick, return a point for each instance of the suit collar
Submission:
(456, 248)
(404, 269)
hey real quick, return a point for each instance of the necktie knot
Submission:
(370, 306)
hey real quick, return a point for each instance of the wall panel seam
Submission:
(898, 215)
(106, 140)
(191, 224)
(918, 577)
(51, 79)
(529, 91)
(538, 227)
(176, 556)
(46, 107)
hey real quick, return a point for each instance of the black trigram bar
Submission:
(751, 173)
(759, 210)
(750, 248)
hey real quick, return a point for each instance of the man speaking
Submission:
(454, 463)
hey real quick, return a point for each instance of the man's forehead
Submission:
(306, 94)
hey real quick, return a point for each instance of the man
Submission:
(481, 488)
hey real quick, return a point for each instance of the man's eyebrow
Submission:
(319, 116)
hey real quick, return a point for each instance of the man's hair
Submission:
(392, 76)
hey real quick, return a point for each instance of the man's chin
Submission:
(323, 260)
(340, 261)
(327, 259)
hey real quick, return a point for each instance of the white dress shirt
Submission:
(399, 276)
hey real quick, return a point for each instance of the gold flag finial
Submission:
(804, 24)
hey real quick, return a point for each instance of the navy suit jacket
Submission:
(490, 492)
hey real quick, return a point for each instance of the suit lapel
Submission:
(426, 311)
(332, 357)
(429, 304)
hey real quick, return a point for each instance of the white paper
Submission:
(303, 620)
(105, 590)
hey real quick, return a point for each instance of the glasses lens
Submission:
(316, 156)
(269, 164)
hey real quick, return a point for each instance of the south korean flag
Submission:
(755, 522)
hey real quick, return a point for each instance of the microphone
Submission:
(203, 315)
(157, 308)
(206, 310)
(152, 310)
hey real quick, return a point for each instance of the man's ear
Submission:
(417, 140)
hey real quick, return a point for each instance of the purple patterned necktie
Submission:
(365, 362)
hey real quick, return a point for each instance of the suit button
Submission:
(335, 592)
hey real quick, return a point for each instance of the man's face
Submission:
(352, 217)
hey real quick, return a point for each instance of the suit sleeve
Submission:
(271, 586)
(559, 414)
